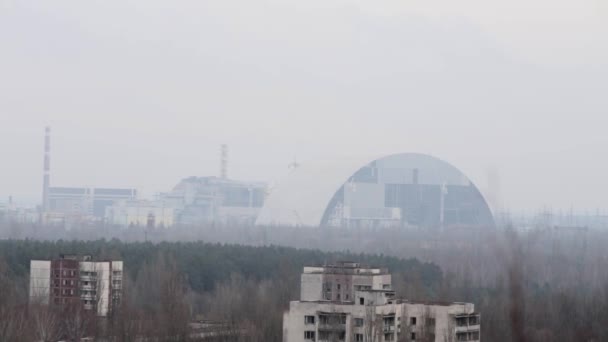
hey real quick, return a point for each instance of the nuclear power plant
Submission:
(400, 190)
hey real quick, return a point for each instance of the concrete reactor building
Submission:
(350, 302)
(199, 200)
(401, 190)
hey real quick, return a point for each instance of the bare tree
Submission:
(46, 323)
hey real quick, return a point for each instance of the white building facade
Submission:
(348, 302)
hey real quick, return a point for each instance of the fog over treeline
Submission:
(537, 285)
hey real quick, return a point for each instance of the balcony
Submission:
(332, 327)
(388, 328)
(467, 328)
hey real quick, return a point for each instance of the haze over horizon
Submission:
(142, 93)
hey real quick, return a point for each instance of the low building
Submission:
(142, 213)
(85, 202)
(350, 302)
(81, 282)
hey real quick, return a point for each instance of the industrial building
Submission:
(71, 281)
(193, 201)
(403, 190)
(200, 200)
(350, 302)
(75, 203)
(140, 213)
(86, 202)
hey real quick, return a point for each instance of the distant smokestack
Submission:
(47, 169)
(224, 161)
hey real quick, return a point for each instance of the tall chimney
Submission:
(47, 169)
(224, 161)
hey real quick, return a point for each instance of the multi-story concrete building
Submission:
(350, 302)
(72, 281)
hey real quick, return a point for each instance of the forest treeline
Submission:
(170, 284)
(532, 285)
(206, 264)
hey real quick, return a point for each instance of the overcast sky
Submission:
(142, 93)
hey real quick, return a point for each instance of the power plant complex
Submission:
(399, 190)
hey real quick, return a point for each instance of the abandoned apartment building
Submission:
(350, 302)
(77, 281)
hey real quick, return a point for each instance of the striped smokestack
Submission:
(47, 169)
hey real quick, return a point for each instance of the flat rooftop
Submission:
(345, 267)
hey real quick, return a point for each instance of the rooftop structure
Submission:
(350, 302)
(403, 190)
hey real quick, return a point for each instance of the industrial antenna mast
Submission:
(224, 161)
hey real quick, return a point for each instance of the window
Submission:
(309, 335)
(347, 296)
(413, 337)
(358, 322)
(413, 320)
(389, 337)
(358, 337)
(309, 319)
(339, 286)
(361, 301)
(338, 296)
(461, 321)
(65, 273)
(386, 286)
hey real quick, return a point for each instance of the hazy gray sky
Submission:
(141, 93)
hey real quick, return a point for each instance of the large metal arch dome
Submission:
(309, 194)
